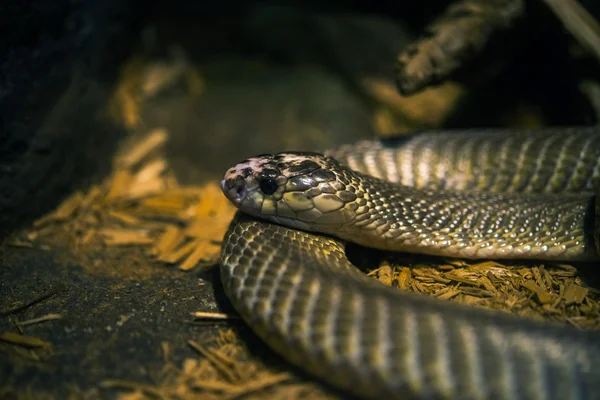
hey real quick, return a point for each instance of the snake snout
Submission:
(234, 189)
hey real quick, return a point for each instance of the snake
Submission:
(467, 194)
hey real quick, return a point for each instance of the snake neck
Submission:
(472, 225)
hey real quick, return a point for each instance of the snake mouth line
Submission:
(289, 222)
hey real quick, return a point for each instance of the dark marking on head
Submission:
(247, 172)
(283, 155)
(304, 167)
(323, 175)
(268, 173)
(301, 182)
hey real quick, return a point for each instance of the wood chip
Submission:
(214, 315)
(475, 291)
(487, 265)
(141, 149)
(384, 275)
(151, 171)
(456, 278)
(404, 278)
(255, 386)
(168, 241)
(63, 212)
(417, 287)
(538, 278)
(575, 294)
(548, 278)
(207, 228)
(120, 183)
(178, 255)
(525, 273)
(201, 252)
(139, 190)
(420, 271)
(125, 218)
(24, 341)
(441, 279)
(215, 385)
(124, 237)
(564, 270)
(116, 383)
(487, 284)
(219, 364)
(165, 204)
(87, 237)
(424, 279)
(93, 195)
(449, 293)
(542, 295)
(48, 317)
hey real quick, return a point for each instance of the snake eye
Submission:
(268, 186)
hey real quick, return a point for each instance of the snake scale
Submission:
(470, 194)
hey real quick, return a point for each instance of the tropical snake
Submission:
(490, 194)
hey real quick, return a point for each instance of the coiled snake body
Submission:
(487, 194)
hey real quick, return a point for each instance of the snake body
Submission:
(486, 194)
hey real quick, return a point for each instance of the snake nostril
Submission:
(240, 192)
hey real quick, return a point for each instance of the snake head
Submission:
(300, 190)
